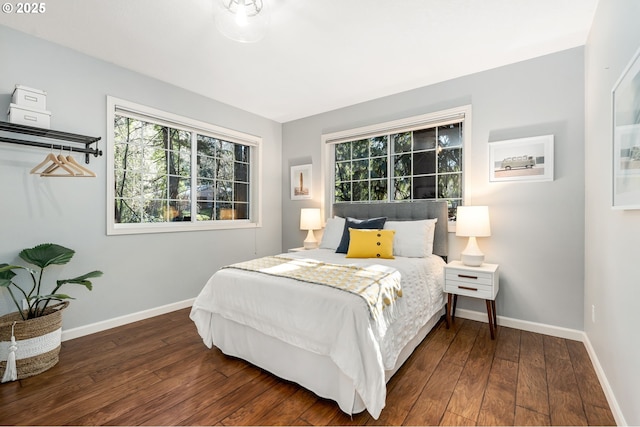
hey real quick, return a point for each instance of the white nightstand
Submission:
(476, 282)
(300, 249)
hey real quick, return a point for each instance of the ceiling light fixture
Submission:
(242, 20)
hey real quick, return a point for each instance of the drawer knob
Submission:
(467, 288)
(465, 276)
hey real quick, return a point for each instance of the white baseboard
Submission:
(81, 331)
(556, 331)
(540, 328)
(606, 387)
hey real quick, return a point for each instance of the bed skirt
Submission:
(293, 363)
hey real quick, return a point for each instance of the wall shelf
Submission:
(82, 143)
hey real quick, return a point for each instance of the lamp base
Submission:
(310, 242)
(472, 260)
(472, 255)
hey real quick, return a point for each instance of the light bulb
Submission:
(245, 21)
(241, 14)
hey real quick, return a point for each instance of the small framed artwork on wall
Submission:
(626, 137)
(523, 159)
(301, 182)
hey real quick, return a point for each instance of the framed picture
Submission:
(523, 159)
(626, 137)
(301, 182)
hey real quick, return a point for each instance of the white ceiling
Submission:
(318, 55)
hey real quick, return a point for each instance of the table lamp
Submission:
(472, 222)
(310, 220)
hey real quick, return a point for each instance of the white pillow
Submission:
(332, 233)
(413, 239)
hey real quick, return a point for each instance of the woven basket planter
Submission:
(38, 341)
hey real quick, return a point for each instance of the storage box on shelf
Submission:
(21, 115)
(28, 107)
(29, 97)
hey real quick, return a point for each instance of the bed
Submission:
(325, 339)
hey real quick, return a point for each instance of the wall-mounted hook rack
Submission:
(51, 134)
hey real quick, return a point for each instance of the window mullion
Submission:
(437, 171)
(194, 176)
(167, 193)
(233, 187)
(369, 158)
(390, 152)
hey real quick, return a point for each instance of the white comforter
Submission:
(325, 320)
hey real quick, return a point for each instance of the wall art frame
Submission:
(301, 182)
(522, 159)
(625, 102)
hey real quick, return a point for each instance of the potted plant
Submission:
(41, 315)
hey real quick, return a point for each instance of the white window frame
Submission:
(406, 124)
(116, 106)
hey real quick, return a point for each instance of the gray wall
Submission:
(537, 227)
(612, 237)
(141, 271)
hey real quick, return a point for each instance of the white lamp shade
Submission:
(310, 219)
(473, 221)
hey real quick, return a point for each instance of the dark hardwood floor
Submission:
(158, 372)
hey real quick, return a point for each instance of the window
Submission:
(417, 158)
(170, 173)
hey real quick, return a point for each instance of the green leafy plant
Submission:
(41, 256)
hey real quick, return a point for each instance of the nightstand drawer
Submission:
(475, 289)
(472, 277)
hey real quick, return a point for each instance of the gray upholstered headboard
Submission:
(404, 211)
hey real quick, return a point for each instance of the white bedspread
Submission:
(325, 320)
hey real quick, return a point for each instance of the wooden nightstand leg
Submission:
(448, 308)
(453, 308)
(490, 307)
(495, 318)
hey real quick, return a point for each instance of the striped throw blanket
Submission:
(378, 285)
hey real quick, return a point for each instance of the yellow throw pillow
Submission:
(370, 243)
